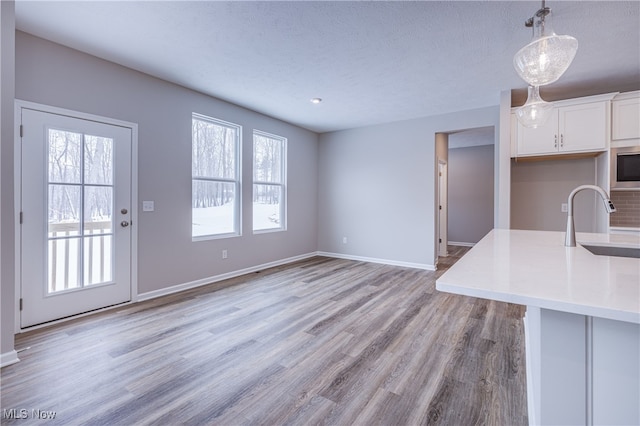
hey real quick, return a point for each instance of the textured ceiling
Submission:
(370, 62)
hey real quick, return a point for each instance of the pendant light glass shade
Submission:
(547, 56)
(535, 112)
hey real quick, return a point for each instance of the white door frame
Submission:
(443, 238)
(19, 105)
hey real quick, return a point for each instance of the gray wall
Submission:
(471, 191)
(55, 75)
(539, 188)
(7, 224)
(377, 187)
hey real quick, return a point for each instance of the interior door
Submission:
(75, 242)
(443, 237)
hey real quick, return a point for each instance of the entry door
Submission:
(75, 216)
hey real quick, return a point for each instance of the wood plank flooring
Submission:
(320, 341)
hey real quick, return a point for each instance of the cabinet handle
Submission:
(555, 141)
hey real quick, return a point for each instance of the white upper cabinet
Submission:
(538, 141)
(625, 117)
(575, 126)
(583, 127)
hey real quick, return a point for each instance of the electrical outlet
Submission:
(344, 240)
(564, 207)
(224, 254)
(148, 206)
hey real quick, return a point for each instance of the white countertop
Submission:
(535, 268)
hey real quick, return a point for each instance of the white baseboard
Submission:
(8, 358)
(460, 243)
(424, 266)
(210, 280)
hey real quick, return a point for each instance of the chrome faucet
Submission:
(570, 237)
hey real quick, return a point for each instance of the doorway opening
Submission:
(466, 196)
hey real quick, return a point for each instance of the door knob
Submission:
(124, 223)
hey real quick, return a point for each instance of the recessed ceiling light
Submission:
(316, 101)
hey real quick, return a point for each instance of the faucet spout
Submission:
(570, 237)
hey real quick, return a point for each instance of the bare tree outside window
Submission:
(215, 177)
(80, 206)
(269, 159)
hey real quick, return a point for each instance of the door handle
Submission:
(124, 223)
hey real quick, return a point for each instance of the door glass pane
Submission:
(97, 259)
(80, 202)
(63, 268)
(266, 207)
(98, 160)
(213, 208)
(65, 155)
(98, 206)
(64, 210)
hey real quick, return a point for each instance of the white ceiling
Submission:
(370, 62)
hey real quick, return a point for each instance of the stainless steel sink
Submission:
(613, 251)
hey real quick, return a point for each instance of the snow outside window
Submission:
(215, 190)
(269, 182)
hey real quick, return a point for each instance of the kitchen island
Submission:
(582, 325)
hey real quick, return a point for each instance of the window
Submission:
(269, 180)
(215, 189)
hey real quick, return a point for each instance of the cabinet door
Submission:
(538, 141)
(583, 127)
(624, 116)
(616, 372)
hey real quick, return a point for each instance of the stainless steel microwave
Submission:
(625, 168)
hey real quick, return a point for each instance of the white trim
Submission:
(72, 317)
(216, 278)
(17, 193)
(460, 243)
(134, 213)
(18, 106)
(8, 358)
(423, 266)
(73, 114)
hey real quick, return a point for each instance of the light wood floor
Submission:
(320, 341)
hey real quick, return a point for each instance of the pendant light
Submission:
(542, 61)
(548, 55)
(535, 112)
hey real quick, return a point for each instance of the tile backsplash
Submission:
(628, 209)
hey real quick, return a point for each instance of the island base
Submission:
(581, 370)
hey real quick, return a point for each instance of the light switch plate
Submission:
(147, 206)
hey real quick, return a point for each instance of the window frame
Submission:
(237, 180)
(282, 184)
